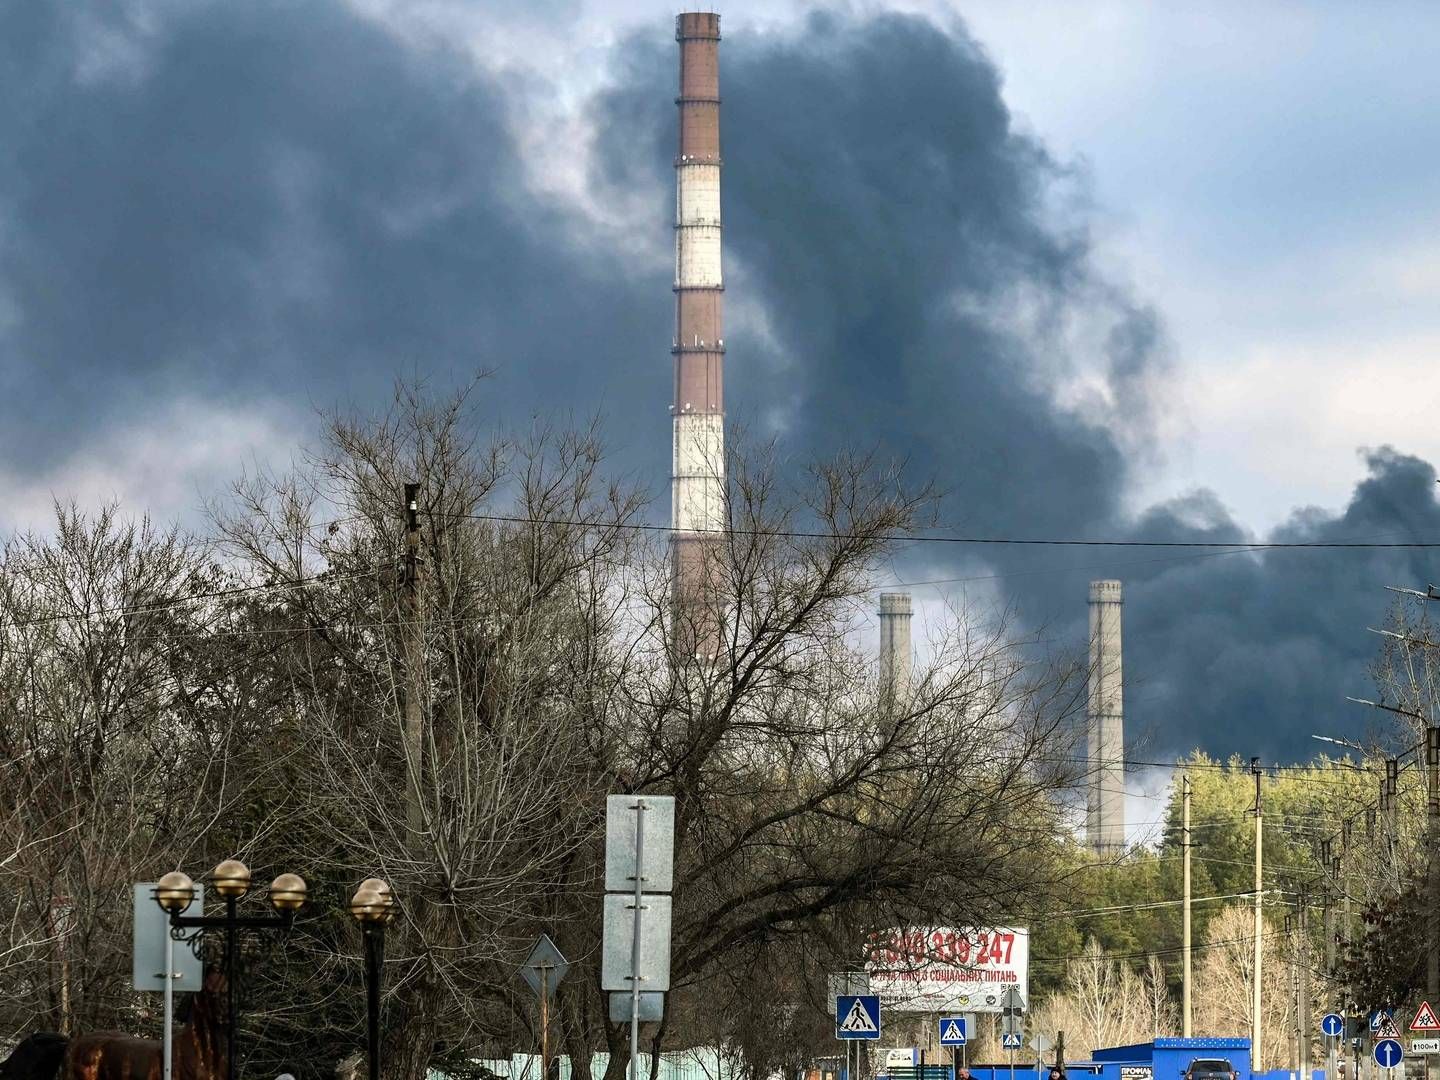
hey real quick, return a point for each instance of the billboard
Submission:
(945, 969)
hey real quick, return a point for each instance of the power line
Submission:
(1009, 541)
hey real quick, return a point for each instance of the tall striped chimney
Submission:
(1105, 720)
(698, 411)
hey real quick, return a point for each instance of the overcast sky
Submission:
(1110, 269)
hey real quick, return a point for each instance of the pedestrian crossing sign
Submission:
(1010, 1041)
(952, 1031)
(857, 1016)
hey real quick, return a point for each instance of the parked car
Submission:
(1211, 1069)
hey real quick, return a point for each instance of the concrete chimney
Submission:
(895, 657)
(698, 410)
(1105, 720)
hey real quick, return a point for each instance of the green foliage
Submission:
(1131, 907)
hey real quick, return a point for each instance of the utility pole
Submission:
(1432, 813)
(1185, 1012)
(1344, 874)
(1392, 817)
(1304, 1012)
(1257, 1026)
(1295, 985)
(414, 649)
(1327, 900)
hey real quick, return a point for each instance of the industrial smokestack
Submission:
(698, 411)
(1105, 717)
(895, 657)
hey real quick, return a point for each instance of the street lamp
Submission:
(231, 879)
(1340, 742)
(373, 906)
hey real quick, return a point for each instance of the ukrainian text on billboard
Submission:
(945, 969)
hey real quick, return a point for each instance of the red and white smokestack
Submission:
(698, 471)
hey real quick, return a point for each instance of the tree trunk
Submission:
(617, 1041)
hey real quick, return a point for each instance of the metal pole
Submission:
(544, 1022)
(374, 953)
(1347, 918)
(169, 1002)
(1305, 1012)
(1185, 1010)
(1432, 784)
(1327, 897)
(635, 945)
(232, 976)
(1295, 991)
(1257, 1026)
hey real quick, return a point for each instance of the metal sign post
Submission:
(1332, 1026)
(635, 953)
(155, 965)
(542, 971)
(169, 1038)
(1040, 1043)
(639, 874)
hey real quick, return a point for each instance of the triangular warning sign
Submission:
(952, 1031)
(859, 1020)
(1387, 1028)
(1425, 1019)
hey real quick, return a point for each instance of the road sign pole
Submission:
(169, 1038)
(545, 1022)
(635, 946)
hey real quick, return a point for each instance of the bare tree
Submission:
(1227, 971)
(1104, 1003)
(115, 764)
(330, 688)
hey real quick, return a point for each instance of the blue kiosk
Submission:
(1167, 1059)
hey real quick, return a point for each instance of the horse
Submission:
(198, 1052)
(35, 1057)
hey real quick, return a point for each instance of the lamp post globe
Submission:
(231, 878)
(287, 893)
(368, 906)
(174, 892)
(381, 886)
(386, 895)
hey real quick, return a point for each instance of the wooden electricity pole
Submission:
(1185, 1010)
(1257, 1025)
(1304, 1012)
(1432, 813)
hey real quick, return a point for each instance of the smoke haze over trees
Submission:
(215, 215)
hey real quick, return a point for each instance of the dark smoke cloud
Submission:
(279, 202)
(272, 199)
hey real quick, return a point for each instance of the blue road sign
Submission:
(857, 1016)
(952, 1031)
(1333, 1025)
(1377, 1018)
(1388, 1053)
(1010, 1040)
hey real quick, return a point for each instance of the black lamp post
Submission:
(373, 906)
(231, 879)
